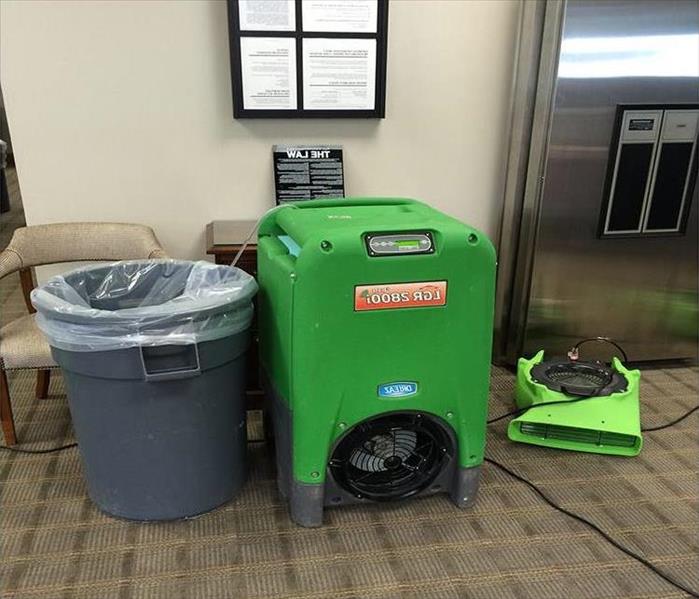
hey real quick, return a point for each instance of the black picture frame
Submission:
(235, 34)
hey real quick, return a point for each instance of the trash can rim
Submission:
(221, 300)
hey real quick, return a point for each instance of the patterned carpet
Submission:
(56, 544)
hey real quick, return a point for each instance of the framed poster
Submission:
(308, 58)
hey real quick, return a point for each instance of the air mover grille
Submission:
(582, 377)
(392, 456)
(578, 378)
(577, 435)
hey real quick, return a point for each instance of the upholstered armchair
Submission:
(22, 345)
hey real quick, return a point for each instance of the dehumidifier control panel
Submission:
(399, 244)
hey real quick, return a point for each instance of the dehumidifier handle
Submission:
(334, 203)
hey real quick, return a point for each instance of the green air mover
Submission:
(375, 319)
(581, 406)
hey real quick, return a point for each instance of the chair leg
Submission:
(43, 378)
(6, 418)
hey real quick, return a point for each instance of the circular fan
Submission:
(392, 456)
(579, 378)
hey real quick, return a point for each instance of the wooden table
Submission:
(224, 238)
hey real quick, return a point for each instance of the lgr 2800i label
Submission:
(400, 295)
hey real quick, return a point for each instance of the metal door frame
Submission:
(534, 89)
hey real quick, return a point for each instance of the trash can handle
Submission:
(154, 374)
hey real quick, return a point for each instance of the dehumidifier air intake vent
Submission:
(392, 456)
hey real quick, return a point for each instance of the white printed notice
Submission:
(268, 66)
(339, 74)
(267, 15)
(356, 16)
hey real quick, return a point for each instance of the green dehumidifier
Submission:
(375, 319)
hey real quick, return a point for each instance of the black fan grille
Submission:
(391, 457)
(578, 375)
(585, 379)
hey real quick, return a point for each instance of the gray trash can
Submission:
(153, 356)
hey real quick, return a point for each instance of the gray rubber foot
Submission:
(465, 487)
(306, 504)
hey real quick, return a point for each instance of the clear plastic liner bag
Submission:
(143, 303)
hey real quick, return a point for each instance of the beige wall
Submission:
(121, 111)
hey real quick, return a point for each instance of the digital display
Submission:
(399, 244)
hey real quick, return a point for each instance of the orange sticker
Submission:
(400, 295)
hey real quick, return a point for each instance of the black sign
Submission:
(308, 173)
(641, 124)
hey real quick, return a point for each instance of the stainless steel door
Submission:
(559, 281)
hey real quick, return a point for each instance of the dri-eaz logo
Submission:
(399, 389)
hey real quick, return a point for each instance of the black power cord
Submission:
(671, 423)
(575, 350)
(71, 445)
(573, 355)
(639, 558)
(50, 450)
